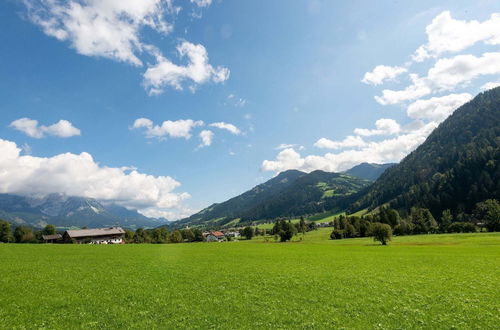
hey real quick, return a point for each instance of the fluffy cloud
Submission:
(445, 75)
(165, 73)
(349, 141)
(287, 145)
(446, 34)
(390, 150)
(228, 127)
(80, 175)
(175, 129)
(112, 29)
(383, 126)
(437, 108)
(490, 85)
(206, 137)
(382, 73)
(30, 127)
(105, 28)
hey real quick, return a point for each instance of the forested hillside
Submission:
(291, 193)
(456, 167)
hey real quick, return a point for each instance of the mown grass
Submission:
(432, 282)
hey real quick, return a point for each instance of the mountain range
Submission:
(291, 193)
(70, 211)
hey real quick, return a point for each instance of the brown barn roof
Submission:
(217, 233)
(95, 232)
(51, 237)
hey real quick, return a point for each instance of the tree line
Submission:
(484, 217)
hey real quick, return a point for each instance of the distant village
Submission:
(116, 235)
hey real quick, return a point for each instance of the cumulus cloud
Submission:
(445, 75)
(437, 108)
(446, 34)
(174, 129)
(382, 73)
(287, 145)
(165, 73)
(490, 85)
(105, 28)
(228, 127)
(80, 175)
(206, 137)
(30, 127)
(390, 150)
(112, 29)
(383, 126)
(349, 141)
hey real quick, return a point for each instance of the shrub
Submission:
(337, 234)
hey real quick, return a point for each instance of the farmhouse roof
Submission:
(217, 233)
(50, 237)
(95, 232)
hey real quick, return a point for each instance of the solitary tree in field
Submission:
(381, 232)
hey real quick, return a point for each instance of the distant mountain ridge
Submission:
(290, 193)
(369, 171)
(457, 166)
(69, 211)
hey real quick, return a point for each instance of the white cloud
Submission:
(446, 34)
(390, 150)
(30, 127)
(165, 73)
(206, 137)
(418, 88)
(383, 126)
(175, 129)
(490, 85)
(287, 145)
(437, 108)
(228, 127)
(80, 175)
(349, 141)
(381, 73)
(446, 74)
(202, 3)
(105, 28)
(112, 29)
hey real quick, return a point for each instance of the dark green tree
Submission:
(287, 232)
(248, 232)
(176, 237)
(23, 234)
(446, 220)
(487, 213)
(5, 233)
(381, 232)
(49, 230)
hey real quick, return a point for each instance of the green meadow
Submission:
(428, 282)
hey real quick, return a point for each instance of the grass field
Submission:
(433, 282)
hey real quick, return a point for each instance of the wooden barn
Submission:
(111, 235)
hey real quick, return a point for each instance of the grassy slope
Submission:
(436, 281)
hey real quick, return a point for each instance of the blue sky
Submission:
(272, 84)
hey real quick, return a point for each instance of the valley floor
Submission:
(429, 281)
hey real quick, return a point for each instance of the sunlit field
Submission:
(429, 281)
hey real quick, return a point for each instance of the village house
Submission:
(55, 238)
(234, 234)
(214, 236)
(111, 235)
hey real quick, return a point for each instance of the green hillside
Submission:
(291, 193)
(456, 167)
